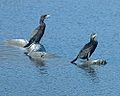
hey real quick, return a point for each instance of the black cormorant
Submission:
(88, 49)
(38, 32)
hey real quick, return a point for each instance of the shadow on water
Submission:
(91, 73)
(90, 68)
(40, 64)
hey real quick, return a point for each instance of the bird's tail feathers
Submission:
(74, 60)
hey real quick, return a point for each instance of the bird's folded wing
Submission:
(85, 52)
(34, 32)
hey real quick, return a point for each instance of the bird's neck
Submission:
(41, 21)
(93, 40)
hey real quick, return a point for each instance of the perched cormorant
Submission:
(88, 49)
(38, 32)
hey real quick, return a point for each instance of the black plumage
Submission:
(38, 32)
(88, 49)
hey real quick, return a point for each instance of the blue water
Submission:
(68, 29)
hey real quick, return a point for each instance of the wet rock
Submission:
(91, 62)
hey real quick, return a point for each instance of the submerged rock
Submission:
(22, 42)
(91, 62)
(36, 48)
(35, 51)
(16, 42)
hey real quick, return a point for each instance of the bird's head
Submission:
(93, 36)
(43, 17)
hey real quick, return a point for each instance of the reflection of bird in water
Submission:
(37, 62)
(38, 32)
(88, 49)
(88, 68)
(40, 64)
(91, 73)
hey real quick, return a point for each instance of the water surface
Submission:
(68, 29)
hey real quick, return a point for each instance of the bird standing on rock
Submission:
(38, 32)
(88, 49)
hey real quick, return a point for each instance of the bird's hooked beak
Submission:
(47, 16)
(94, 36)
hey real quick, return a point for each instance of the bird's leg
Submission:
(88, 56)
(87, 59)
